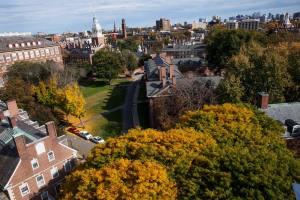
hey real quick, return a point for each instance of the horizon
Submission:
(60, 16)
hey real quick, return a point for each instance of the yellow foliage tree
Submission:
(123, 179)
(72, 101)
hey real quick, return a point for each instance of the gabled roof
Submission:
(284, 111)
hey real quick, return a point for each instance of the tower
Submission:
(124, 28)
(97, 36)
(115, 28)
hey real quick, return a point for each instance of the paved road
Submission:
(130, 113)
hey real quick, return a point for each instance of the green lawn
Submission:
(101, 98)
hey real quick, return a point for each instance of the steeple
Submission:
(96, 28)
(115, 28)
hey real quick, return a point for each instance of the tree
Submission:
(255, 69)
(292, 93)
(190, 95)
(72, 101)
(252, 161)
(223, 44)
(107, 64)
(123, 179)
(130, 60)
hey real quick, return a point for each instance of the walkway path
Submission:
(130, 111)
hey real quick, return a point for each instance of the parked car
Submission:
(73, 130)
(86, 135)
(97, 140)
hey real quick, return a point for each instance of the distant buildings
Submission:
(124, 31)
(296, 16)
(199, 25)
(27, 48)
(163, 25)
(185, 51)
(33, 163)
(249, 24)
(232, 25)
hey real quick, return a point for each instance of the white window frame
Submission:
(22, 186)
(53, 171)
(40, 148)
(32, 162)
(49, 157)
(37, 183)
(44, 192)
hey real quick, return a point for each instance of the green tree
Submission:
(144, 58)
(123, 179)
(130, 60)
(107, 64)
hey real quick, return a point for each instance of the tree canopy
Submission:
(220, 152)
(107, 64)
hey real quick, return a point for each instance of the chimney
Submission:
(162, 73)
(263, 100)
(171, 70)
(51, 129)
(12, 107)
(20, 144)
(174, 80)
(12, 122)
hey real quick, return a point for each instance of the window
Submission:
(17, 45)
(7, 58)
(39, 42)
(56, 50)
(40, 180)
(51, 156)
(26, 54)
(54, 172)
(67, 166)
(28, 44)
(37, 53)
(44, 195)
(24, 189)
(42, 52)
(47, 52)
(14, 56)
(22, 45)
(52, 51)
(34, 164)
(20, 55)
(31, 54)
(33, 43)
(40, 148)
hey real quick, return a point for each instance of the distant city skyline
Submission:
(57, 16)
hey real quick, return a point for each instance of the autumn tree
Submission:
(72, 101)
(252, 161)
(107, 64)
(122, 179)
(131, 60)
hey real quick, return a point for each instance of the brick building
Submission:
(27, 48)
(32, 161)
(163, 24)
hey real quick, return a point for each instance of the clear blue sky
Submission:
(56, 16)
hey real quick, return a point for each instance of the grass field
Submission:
(107, 99)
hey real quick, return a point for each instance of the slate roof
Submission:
(283, 111)
(5, 41)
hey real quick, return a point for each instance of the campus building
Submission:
(33, 163)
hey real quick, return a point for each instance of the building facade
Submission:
(232, 25)
(249, 24)
(185, 51)
(163, 25)
(33, 163)
(27, 48)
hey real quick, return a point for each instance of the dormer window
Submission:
(22, 44)
(33, 43)
(17, 45)
(51, 156)
(34, 164)
(28, 44)
(39, 43)
(10, 45)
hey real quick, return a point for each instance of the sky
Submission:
(57, 16)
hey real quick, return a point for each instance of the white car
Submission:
(97, 140)
(86, 135)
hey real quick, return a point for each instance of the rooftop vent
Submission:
(34, 43)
